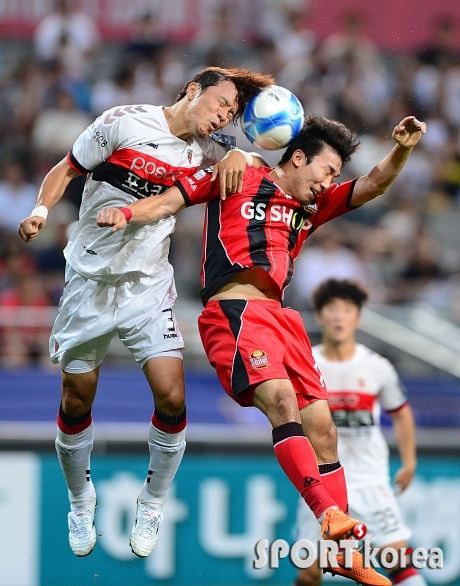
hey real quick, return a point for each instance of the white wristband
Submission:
(41, 211)
(249, 158)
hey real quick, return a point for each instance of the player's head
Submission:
(316, 156)
(218, 96)
(337, 305)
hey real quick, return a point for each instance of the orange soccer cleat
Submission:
(338, 525)
(358, 572)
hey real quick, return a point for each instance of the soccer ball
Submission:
(272, 118)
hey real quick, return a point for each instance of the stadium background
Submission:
(367, 64)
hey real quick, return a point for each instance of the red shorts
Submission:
(250, 342)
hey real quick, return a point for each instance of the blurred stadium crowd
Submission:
(405, 248)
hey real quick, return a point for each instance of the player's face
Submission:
(314, 177)
(339, 319)
(211, 110)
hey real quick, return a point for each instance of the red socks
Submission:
(333, 478)
(298, 460)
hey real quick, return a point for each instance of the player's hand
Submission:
(403, 478)
(29, 227)
(111, 217)
(230, 171)
(409, 131)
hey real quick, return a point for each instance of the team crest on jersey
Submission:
(189, 155)
(259, 359)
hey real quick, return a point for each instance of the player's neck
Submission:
(338, 351)
(175, 121)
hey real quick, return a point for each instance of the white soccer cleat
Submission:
(144, 534)
(82, 533)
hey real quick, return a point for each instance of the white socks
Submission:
(74, 457)
(166, 451)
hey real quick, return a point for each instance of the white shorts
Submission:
(137, 309)
(375, 506)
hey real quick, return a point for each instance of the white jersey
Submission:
(129, 153)
(358, 389)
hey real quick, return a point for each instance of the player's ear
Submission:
(297, 158)
(192, 90)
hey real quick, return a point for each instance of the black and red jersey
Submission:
(262, 227)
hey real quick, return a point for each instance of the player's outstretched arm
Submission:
(404, 429)
(50, 193)
(230, 170)
(406, 135)
(144, 211)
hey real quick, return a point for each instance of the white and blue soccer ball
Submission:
(272, 118)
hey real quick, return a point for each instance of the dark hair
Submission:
(247, 83)
(335, 289)
(318, 132)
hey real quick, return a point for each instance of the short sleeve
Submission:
(97, 142)
(392, 395)
(198, 188)
(333, 202)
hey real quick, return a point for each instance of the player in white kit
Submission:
(360, 383)
(122, 284)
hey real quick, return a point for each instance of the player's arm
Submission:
(51, 191)
(404, 430)
(144, 211)
(230, 170)
(406, 134)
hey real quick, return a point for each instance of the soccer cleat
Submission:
(357, 572)
(144, 534)
(82, 533)
(338, 525)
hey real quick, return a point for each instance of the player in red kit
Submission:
(260, 349)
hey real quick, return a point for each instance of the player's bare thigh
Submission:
(165, 375)
(318, 426)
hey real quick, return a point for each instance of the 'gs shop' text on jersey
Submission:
(129, 153)
(261, 227)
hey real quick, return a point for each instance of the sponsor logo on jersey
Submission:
(259, 359)
(276, 213)
(98, 136)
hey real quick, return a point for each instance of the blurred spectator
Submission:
(23, 336)
(70, 36)
(17, 195)
(56, 129)
(327, 258)
(442, 51)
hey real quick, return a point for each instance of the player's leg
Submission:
(166, 441)
(148, 328)
(320, 429)
(74, 444)
(377, 505)
(79, 340)
(407, 576)
(277, 400)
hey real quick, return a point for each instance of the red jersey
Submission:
(262, 227)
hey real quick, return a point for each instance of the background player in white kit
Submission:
(122, 284)
(360, 383)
